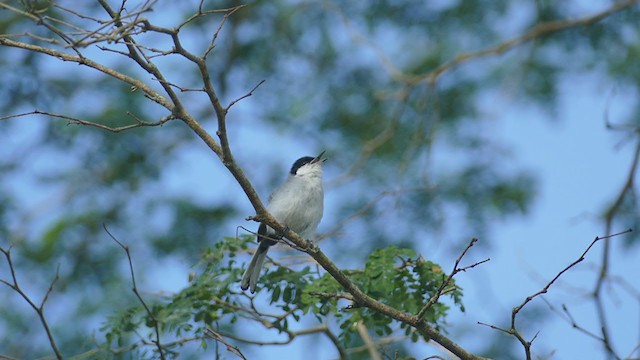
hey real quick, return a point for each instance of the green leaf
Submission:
(286, 295)
(275, 295)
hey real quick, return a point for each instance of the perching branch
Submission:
(222, 148)
(124, 29)
(360, 298)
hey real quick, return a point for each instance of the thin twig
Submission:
(217, 337)
(544, 290)
(292, 335)
(250, 93)
(148, 91)
(445, 283)
(603, 272)
(125, 32)
(39, 309)
(75, 121)
(513, 331)
(212, 43)
(156, 325)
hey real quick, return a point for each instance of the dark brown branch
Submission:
(544, 290)
(513, 331)
(250, 93)
(434, 299)
(212, 43)
(144, 62)
(39, 309)
(148, 91)
(75, 121)
(568, 317)
(217, 337)
(156, 325)
(360, 298)
(223, 149)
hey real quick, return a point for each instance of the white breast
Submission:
(299, 203)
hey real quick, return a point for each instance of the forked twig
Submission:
(137, 293)
(75, 121)
(250, 93)
(445, 283)
(513, 331)
(39, 309)
(209, 332)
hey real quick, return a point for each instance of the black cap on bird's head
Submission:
(306, 160)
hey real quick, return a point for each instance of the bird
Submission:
(297, 204)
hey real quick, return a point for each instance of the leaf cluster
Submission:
(395, 276)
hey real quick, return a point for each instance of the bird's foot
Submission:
(312, 246)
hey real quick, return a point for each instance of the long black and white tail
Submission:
(251, 275)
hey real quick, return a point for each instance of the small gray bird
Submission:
(297, 204)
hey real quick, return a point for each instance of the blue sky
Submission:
(580, 167)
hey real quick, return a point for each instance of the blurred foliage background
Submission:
(410, 158)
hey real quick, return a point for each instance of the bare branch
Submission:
(212, 44)
(75, 121)
(250, 93)
(137, 293)
(144, 62)
(434, 299)
(39, 309)
(513, 331)
(202, 13)
(123, 33)
(217, 337)
(149, 93)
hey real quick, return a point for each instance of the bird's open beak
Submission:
(319, 158)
